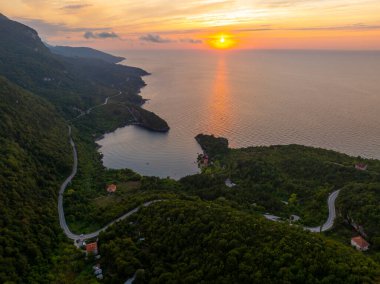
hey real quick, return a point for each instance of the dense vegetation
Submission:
(198, 242)
(34, 158)
(284, 180)
(212, 145)
(359, 207)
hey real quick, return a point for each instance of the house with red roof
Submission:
(111, 188)
(359, 243)
(92, 248)
(361, 167)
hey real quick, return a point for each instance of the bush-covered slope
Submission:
(34, 157)
(359, 205)
(197, 242)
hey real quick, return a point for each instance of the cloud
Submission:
(353, 27)
(190, 40)
(155, 38)
(75, 6)
(284, 3)
(53, 28)
(101, 35)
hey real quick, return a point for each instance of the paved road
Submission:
(332, 215)
(61, 212)
(330, 219)
(83, 113)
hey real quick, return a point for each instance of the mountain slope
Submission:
(84, 52)
(198, 242)
(34, 157)
(69, 83)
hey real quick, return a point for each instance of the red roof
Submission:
(111, 188)
(92, 247)
(361, 166)
(360, 242)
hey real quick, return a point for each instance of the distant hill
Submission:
(69, 83)
(34, 158)
(84, 52)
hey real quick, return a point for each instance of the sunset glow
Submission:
(163, 24)
(222, 41)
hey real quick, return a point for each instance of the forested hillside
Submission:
(34, 158)
(287, 179)
(198, 242)
(70, 83)
(359, 207)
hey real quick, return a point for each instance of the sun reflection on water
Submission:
(220, 114)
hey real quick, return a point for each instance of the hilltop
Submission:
(84, 52)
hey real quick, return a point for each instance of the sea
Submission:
(327, 99)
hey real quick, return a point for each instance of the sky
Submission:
(117, 25)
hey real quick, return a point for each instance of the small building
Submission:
(92, 248)
(111, 188)
(359, 243)
(361, 167)
(229, 183)
(272, 217)
(205, 160)
(98, 271)
(294, 218)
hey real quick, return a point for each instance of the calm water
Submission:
(323, 99)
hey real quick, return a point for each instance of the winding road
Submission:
(83, 113)
(332, 215)
(330, 219)
(61, 212)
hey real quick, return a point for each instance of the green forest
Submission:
(34, 160)
(205, 242)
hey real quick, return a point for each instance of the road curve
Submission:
(330, 219)
(332, 215)
(61, 212)
(83, 113)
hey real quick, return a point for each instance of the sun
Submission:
(222, 41)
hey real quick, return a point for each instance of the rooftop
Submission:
(360, 241)
(111, 187)
(92, 247)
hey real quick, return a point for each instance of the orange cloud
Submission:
(188, 24)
